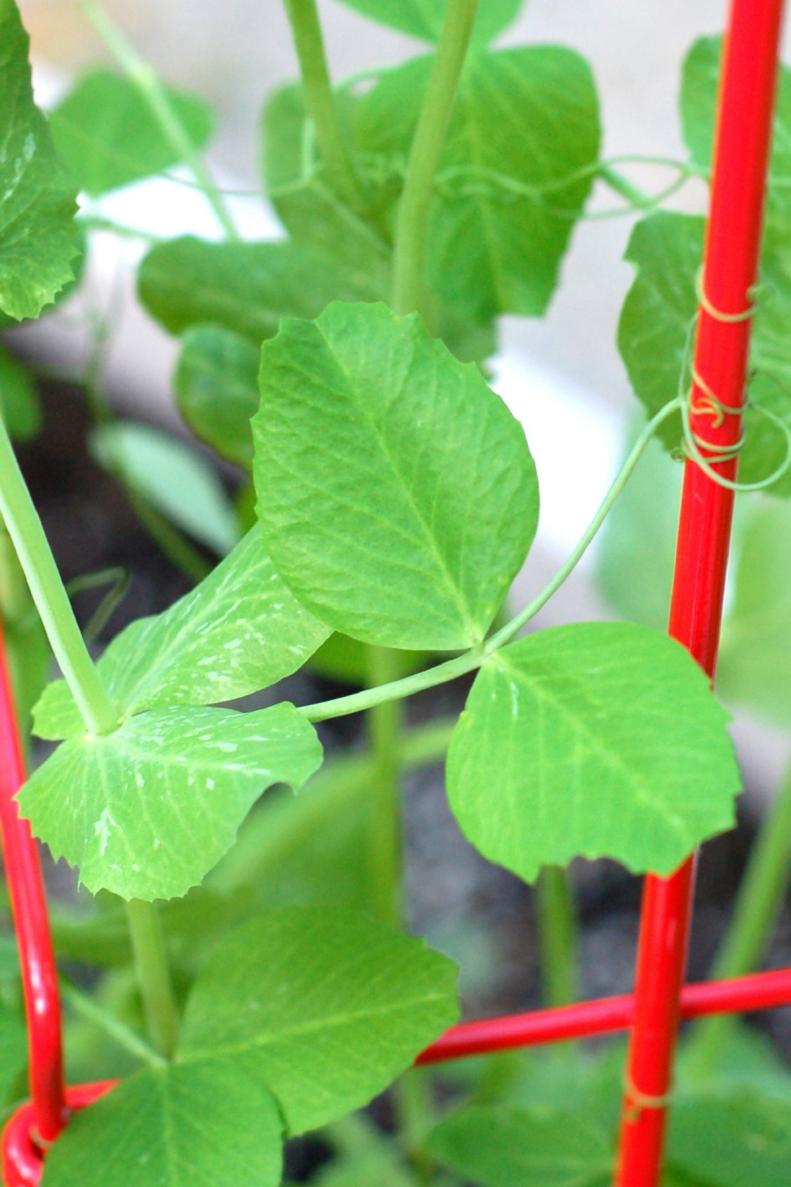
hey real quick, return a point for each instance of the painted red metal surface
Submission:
(759, 991)
(23, 1158)
(745, 108)
(28, 903)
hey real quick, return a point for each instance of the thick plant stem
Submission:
(41, 573)
(320, 102)
(415, 206)
(757, 907)
(156, 99)
(557, 935)
(384, 849)
(153, 976)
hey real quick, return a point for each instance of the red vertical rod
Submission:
(745, 109)
(28, 903)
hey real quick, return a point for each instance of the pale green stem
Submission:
(159, 104)
(384, 846)
(159, 1005)
(758, 904)
(470, 660)
(557, 936)
(124, 1036)
(41, 573)
(320, 101)
(621, 185)
(434, 120)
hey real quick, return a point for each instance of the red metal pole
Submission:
(759, 991)
(745, 109)
(28, 903)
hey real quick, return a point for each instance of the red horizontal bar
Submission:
(759, 991)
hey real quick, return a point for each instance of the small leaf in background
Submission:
(745, 1139)
(39, 241)
(106, 133)
(408, 525)
(245, 287)
(755, 656)
(148, 810)
(326, 1007)
(13, 1049)
(177, 1126)
(216, 385)
(178, 482)
(424, 18)
(634, 569)
(348, 660)
(511, 1147)
(654, 332)
(237, 632)
(597, 740)
(512, 179)
(19, 402)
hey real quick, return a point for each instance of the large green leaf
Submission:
(424, 18)
(239, 631)
(172, 477)
(510, 1147)
(216, 384)
(19, 402)
(733, 1142)
(699, 85)
(514, 175)
(755, 657)
(408, 525)
(38, 236)
(599, 740)
(245, 287)
(176, 1126)
(327, 1007)
(656, 324)
(108, 136)
(148, 810)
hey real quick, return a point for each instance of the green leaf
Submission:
(424, 18)
(19, 402)
(745, 1139)
(514, 176)
(148, 810)
(326, 1006)
(237, 632)
(106, 133)
(407, 527)
(598, 740)
(656, 324)
(756, 643)
(172, 477)
(176, 1126)
(245, 287)
(634, 568)
(38, 236)
(216, 384)
(13, 1049)
(508, 1147)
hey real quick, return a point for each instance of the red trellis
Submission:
(652, 1013)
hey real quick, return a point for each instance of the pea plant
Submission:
(387, 500)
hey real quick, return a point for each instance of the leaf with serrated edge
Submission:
(39, 240)
(598, 740)
(216, 385)
(237, 632)
(106, 133)
(514, 175)
(655, 325)
(424, 18)
(148, 810)
(408, 525)
(327, 1007)
(245, 287)
(513, 1147)
(176, 1126)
